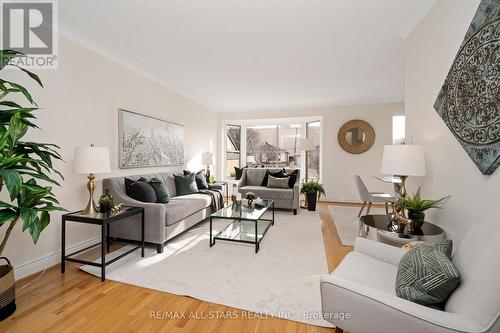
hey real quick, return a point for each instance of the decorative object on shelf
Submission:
(116, 208)
(238, 199)
(468, 101)
(402, 161)
(313, 189)
(356, 136)
(207, 159)
(105, 202)
(416, 207)
(212, 180)
(22, 165)
(149, 142)
(250, 196)
(91, 160)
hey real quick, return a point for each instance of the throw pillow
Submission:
(426, 275)
(200, 178)
(275, 182)
(160, 189)
(140, 190)
(293, 177)
(277, 174)
(185, 184)
(239, 172)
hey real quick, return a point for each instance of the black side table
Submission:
(104, 220)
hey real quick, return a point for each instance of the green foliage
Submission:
(416, 204)
(22, 163)
(106, 200)
(313, 187)
(250, 196)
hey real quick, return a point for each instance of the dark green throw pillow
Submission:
(426, 275)
(160, 189)
(185, 184)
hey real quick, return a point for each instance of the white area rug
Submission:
(346, 221)
(281, 280)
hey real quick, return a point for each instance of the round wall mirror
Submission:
(356, 136)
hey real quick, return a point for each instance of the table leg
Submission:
(108, 241)
(142, 234)
(211, 244)
(272, 223)
(103, 252)
(63, 245)
(256, 238)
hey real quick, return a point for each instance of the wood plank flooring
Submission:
(79, 302)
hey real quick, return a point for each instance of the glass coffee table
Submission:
(247, 226)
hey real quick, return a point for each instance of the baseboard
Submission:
(39, 264)
(341, 198)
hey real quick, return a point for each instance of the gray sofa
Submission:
(251, 181)
(163, 221)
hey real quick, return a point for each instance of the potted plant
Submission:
(22, 165)
(313, 189)
(105, 202)
(416, 206)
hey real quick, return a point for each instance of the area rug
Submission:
(281, 280)
(346, 221)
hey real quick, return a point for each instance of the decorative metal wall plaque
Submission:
(469, 99)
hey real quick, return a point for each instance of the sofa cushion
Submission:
(270, 172)
(268, 193)
(185, 184)
(365, 270)
(160, 189)
(182, 206)
(426, 274)
(140, 190)
(254, 176)
(275, 182)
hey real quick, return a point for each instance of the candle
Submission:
(238, 196)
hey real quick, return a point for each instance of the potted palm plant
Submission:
(313, 189)
(23, 164)
(416, 206)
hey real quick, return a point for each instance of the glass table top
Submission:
(244, 212)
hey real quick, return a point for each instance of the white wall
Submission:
(80, 102)
(339, 167)
(430, 50)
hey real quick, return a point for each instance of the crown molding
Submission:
(104, 51)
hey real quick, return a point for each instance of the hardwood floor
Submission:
(79, 302)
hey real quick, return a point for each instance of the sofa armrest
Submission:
(242, 181)
(374, 311)
(154, 217)
(383, 252)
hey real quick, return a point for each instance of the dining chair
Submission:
(373, 197)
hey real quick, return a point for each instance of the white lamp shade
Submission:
(207, 158)
(91, 160)
(306, 144)
(403, 160)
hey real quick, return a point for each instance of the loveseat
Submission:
(163, 221)
(251, 181)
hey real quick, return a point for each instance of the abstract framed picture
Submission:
(469, 99)
(149, 142)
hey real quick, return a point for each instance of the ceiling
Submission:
(240, 55)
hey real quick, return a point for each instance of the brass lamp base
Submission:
(402, 189)
(91, 208)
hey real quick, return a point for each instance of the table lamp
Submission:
(207, 159)
(91, 160)
(402, 161)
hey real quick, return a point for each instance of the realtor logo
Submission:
(31, 27)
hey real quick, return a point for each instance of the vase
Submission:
(312, 198)
(7, 290)
(418, 218)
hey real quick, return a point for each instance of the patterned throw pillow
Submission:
(426, 274)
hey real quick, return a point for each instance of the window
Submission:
(262, 147)
(313, 156)
(288, 141)
(233, 149)
(398, 129)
